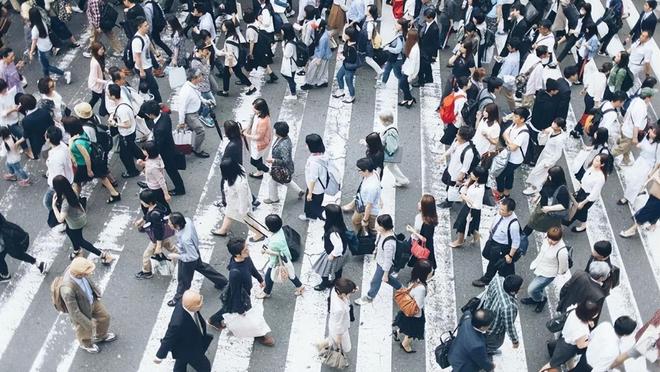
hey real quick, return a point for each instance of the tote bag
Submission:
(250, 324)
(176, 77)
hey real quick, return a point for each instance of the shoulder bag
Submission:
(406, 302)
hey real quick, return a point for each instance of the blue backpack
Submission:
(524, 241)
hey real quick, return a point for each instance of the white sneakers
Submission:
(67, 77)
(529, 191)
(363, 301)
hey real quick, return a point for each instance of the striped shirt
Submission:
(504, 306)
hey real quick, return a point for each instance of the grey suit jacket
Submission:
(80, 310)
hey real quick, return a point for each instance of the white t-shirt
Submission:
(484, 132)
(635, 117)
(143, 47)
(7, 103)
(610, 119)
(475, 192)
(520, 139)
(456, 164)
(124, 113)
(604, 347)
(206, 23)
(315, 170)
(574, 329)
(640, 54)
(43, 43)
(14, 152)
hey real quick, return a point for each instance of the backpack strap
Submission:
(508, 231)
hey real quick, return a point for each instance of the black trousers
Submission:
(173, 173)
(238, 72)
(570, 42)
(200, 364)
(497, 263)
(152, 84)
(505, 179)
(425, 75)
(612, 29)
(314, 209)
(259, 164)
(186, 270)
(98, 97)
(78, 241)
(128, 152)
(155, 38)
(21, 256)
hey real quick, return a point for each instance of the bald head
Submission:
(191, 300)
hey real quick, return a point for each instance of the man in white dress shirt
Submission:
(606, 343)
(634, 122)
(189, 103)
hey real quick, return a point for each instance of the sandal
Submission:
(299, 291)
(411, 351)
(622, 201)
(218, 233)
(395, 335)
(106, 258)
(456, 245)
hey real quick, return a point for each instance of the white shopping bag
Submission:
(142, 131)
(183, 140)
(163, 268)
(176, 76)
(250, 324)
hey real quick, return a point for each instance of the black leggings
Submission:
(269, 281)
(259, 164)
(78, 241)
(155, 38)
(22, 256)
(238, 71)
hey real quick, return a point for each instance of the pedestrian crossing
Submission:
(372, 351)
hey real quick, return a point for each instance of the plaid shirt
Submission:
(94, 12)
(504, 306)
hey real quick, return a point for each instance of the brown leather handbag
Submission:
(406, 302)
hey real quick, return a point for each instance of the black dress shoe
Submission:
(176, 192)
(142, 184)
(201, 154)
(130, 175)
(171, 303)
(324, 85)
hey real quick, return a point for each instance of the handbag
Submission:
(333, 357)
(453, 194)
(280, 175)
(472, 305)
(176, 76)
(280, 274)
(183, 140)
(419, 250)
(406, 302)
(556, 324)
(168, 232)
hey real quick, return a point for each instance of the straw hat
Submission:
(81, 266)
(83, 110)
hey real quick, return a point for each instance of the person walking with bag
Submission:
(280, 261)
(412, 326)
(339, 317)
(650, 212)
(186, 336)
(553, 204)
(500, 299)
(14, 241)
(190, 105)
(161, 235)
(123, 117)
(350, 63)
(41, 42)
(385, 250)
(393, 150)
(68, 209)
(552, 261)
(190, 260)
(468, 220)
(590, 188)
(423, 228)
(236, 302)
(316, 169)
(333, 258)
(154, 175)
(281, 164)
(260, 136)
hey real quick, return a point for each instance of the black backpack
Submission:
(470, 109)
(103, 137)
(598, 115)
(108, 17)
(15, 238)
(628, 81)
(292, 241)
(402, 252)
(158, 18)
(475, 156)
(241, 58)
(302, 53)
(128, 59)
(99, 159)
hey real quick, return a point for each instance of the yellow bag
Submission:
(376, 40)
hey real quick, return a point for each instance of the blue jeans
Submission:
(46, 67)
(536, 286)
(17, 170)
(348, 75)
(17, 131)
(378, 279)
(389, 67)
(205, 110)
(48, 198)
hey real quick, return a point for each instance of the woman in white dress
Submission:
(469, 217)
(553, 138)
(487, 135)
(645, 164)
(239, 200)
(339, 318)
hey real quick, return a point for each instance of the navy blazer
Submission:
(468, 350)
(647, 25)
(183, 337)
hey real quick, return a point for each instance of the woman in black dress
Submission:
(424, 227)
(412, 327)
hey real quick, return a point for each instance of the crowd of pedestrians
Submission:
(487, 143)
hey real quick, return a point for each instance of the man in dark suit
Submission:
(585, 285)
(543, 114)
(186, 336)
(468, 350)
(429, 42)
(601, 253)
(162, 130)
(564, 86)
(518, 30)
(646, 22)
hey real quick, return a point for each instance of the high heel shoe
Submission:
(403, 103)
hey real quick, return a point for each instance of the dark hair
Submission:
(606, 163)
(334, 220)
(466, 133)
(5, 52)
(72, 125)
(649, 82)
(150, 107)
(178, 220)
(428, 209)
(481, 173)
(509, 203)
(514, 43)
(151, 149)
(470, 27)
(372, 11)
(114, 90)
(95, 48)
(429, 13)
(462, 81)
(344, 286)
(231, 170)
(139, 21)
(315, 143)
(232, 129)
(523, 112)
(571, 70)
(374, 143)
(518, 6)
(624, 325)
(482, 317)
(652, 3)
(149, 197)
(174, 23)
(231, 28)
(587, 7)
(36, 21)
(63, 190)
(619, 96)
(281, 128)
(115, 73)
(27, 102)
(493, 113)
(556, 177)
(603, 248)
(421, 271)
(54, 135)
(309, 10)
(261, 106)
(288, 33)
(624, 59)
(541, 50)
(512, 283)
(493, 83)
(365, 165)
(249, 16)
(351, 32)
(3, 85)
(600, 137)
(561, 123)
(587, 310)
(43, 85)
(273, 222)
(385, 221)
(235, 246)
(200, 7)
(6, 133)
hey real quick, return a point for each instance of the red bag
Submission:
(447, 111)
(419, 250)
(397, 8)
